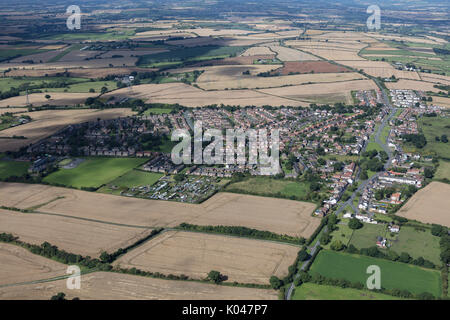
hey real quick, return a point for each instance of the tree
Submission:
(59, 296)
(47, 96)
(355, 224)
(104, 90)
(405, 257)
(444, 138)
(428, 173)
(215, 276)
(337, 245)
(364, 175)
(275, 282)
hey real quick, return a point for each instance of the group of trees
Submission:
(390, 255)
(344, 283)
(418, 140)
(243, 232)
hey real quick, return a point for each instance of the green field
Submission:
(13, 168)
(417, 244)
(435, 127)
(85, 87)
(190, 54)
(443, 171)
(22, 83)
(374, 146)
(367, 236)
(343, 233)
(266, 186)
(394, 275)
(157, 111)
(94, 172)
(312, 291)
(19, 52)
(133, 178)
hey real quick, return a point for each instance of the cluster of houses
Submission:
(406, 98)
(369, 97)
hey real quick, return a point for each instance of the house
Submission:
(394, 228)
(381, 242)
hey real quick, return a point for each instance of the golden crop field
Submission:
(72, 235)
(276, 215)
(97, 286)
(18, 265)
(429, 205)
(195, 254)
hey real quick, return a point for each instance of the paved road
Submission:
(362, 184)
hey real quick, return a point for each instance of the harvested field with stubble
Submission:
(46, 123)
(317, 92)
(412, 85)
(72, 235)
(116, 286)
(280, 216)
(308, 67)
(429, 205)
(18, 265)
(195, 254)
(251, 82)
(190, 96)
(289, 54)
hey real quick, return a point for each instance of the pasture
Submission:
(94, 172)
(394, 275)
(312, 291)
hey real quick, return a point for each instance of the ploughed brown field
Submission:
(72, 235)
(196, 254)
(116, 286)
(18, 265)
(276, 215)
(430, 205)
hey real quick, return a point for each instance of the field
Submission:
(252, 82)
(367, 236)
(190, 54)
(312, 291)
(13, 168)
(72, 235)
(417, 244)
(19, 265)
(46, 123)
(275, 215)
(189, 96)
(194, 254)
(310, 67)
(97, 286)
(435, 196)
(432, 128)
(443, 171)
(289, 54)
(94, 172)
(394, 275)
(270, 187)
(412, 85)
(56, 99)
(314, 93)
(131, 179)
